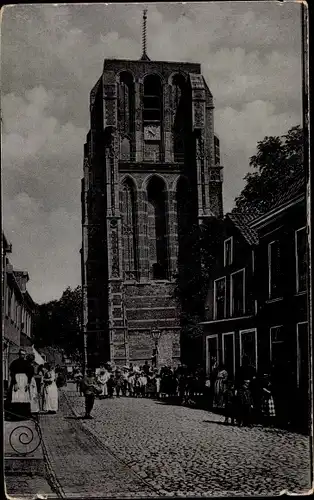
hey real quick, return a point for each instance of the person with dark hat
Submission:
(22, 372)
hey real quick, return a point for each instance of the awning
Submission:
(38, 359)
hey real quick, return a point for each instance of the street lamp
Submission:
(156, 333)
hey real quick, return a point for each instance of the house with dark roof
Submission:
(17, 309)
(257, 303)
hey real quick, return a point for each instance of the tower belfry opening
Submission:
(144, 37)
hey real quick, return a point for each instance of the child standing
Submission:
(245, 404)
(111, 385)
(229, 399)
(119, 381)
(90, 389)
(268, 405)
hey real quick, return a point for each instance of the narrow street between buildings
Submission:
(136, 447)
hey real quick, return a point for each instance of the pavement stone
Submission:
(27, 487)
(191, 452)
(81, 464)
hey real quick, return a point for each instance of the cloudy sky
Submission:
(51, 57)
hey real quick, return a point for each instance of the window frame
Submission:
(215, 290)
(223, 349)
(249, 330)
(225, 253)
(298, 349)
(271, 342)
(270, 297)
(297, 287)
(231, 292)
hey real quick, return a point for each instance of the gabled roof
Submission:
(296, 188)
(247, 221)
(242, 220)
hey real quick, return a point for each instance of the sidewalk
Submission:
(82, 466)
(25, 471)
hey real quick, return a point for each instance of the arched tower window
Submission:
(126, 108)
(217, 149)
(152, 106)
(180, 111)
(129, 229)
(157, 229)
(152, 117)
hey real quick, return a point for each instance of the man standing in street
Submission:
(90, 389)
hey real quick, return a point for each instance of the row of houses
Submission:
(257, 305)
(18, 310)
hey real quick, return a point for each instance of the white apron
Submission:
(34, 396)
(50, 394)
(20, 395)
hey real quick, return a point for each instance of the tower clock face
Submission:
(152, 133)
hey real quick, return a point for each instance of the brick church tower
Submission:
(151, 170)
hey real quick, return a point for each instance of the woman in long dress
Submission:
(51, 399)
(33, 392)
(220, 386)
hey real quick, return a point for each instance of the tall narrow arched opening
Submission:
(179, 106)
(129, 229)
(178, 86)
(126, 107)
(183, 199)
(152, 117)
(157, 229)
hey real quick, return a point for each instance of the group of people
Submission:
(33, 387)
(245, 400)
(242, 401)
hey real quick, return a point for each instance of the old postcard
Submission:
(155, 250)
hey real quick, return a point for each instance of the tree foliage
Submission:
(198, 251)
(276, 163)
(58, 323)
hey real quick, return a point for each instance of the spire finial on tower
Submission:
(144, 37)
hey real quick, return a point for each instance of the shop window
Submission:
(248, 347)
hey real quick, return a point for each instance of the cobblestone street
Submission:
(145, 447)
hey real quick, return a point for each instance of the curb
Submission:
(51, 476)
